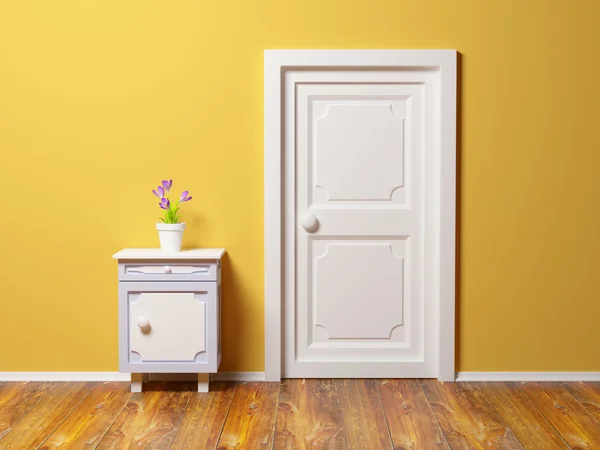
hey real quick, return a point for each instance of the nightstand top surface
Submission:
(157, 253)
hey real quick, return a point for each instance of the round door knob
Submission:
(167, 269)
(143, 322)
(309, 222)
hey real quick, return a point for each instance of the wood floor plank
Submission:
(150, 419)
(40, 422)
(204, 418)
(362, 413)
(17, 399)
(409, 416)
(516, 409)
(250, 423)
(466, 418)
(572, 420)
(588, 394)
(309, 416)
(86, 425)
(302, 414)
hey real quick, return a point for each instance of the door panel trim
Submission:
(443, 62)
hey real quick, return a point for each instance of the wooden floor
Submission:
(345, 414)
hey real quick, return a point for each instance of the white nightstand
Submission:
(169, 313)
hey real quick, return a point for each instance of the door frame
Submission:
(276, 63)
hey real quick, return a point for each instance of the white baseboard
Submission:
(238, 376)
(528, 376)
(116, 376)
(64, 376)
(260, 376)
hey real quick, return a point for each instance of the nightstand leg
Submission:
(136, 381)
(203, 380)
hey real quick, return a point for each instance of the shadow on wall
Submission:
(459, 123)
(233, 323)
(235, 326)
(193, 239)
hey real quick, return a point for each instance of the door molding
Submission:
(276, 62)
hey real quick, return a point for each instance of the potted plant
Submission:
(170, 231)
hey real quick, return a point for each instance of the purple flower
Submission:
(164, 203)
(184, 197)
(167, 184)
(160, 192)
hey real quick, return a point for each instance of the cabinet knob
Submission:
(309, 222)
(167, 269)
(143, 322)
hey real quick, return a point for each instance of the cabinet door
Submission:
(168, 327)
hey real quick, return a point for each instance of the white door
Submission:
(357, 185)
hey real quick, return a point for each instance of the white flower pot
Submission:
(170, 236)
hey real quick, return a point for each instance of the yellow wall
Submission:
(101, 99)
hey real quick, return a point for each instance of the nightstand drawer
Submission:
(169, 327)
(168, 271)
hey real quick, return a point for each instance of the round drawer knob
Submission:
(167, 269)
(309, 222)
(143, 322)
